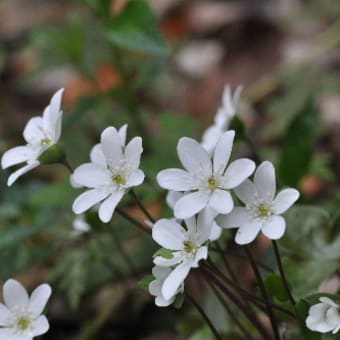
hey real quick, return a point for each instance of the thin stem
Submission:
(264, 294)
(283, 276)
(141, 206)
(204, 316)
(133, 220)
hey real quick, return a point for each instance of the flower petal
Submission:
(210, 138)
(235, 219)
(205, 222)
(91, 175)
(16, 174)
(247, 192)
(328, 301)
(111, 145)
(135, 179)
(5, 314)
(247, 232)
(223, 151)
(122, 134)
(39, 298)
(215, 232)
(41, 326)
(169, 234)
(16, 155)
(163, 262)
(133, 152)
(284, 200)
(190, 204)
(107, 208)
(192, 155)
(88, 199)
(34, 130)
(265, 181)
(97, 156)
(175, 179)
(237, 172)
(201, 254)
(221, 201)
(333, 316)
(275, 227)
(175, 279)
(172, 197)
(14, 294)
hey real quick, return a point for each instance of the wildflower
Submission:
(155, 287)
(112, 171)
(263, 209)
(40, 134)
(186, 247)
(206, 178)
(324, 317)
(20, 316)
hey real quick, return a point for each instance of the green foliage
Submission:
(145, 281)
(275, 287)
(166, 253)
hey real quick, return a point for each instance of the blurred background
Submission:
(160, 66)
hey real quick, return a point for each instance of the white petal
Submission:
(191, 225)
(107, 208)
(333, 316)
(97, 156)
(160, 301)
(8, 334)
(328, 301)
(16, 174)
(192, 155)
(88, 199)
(175, 279)
(221, 201)
(163, 262)
(190, 204)
(91, 175)
(247, 232)
(237, 172)
(275, 227)
(223, 151)
(169, 234)
(14, 294)
(122, 134)
(215, 232)
(265, 180)
(133, 152)
(155, 286)
(160, 272)
(172, 197)
(175, 179)
(135, 179)
(41, 326)
(111, 145)
(34, 130)
(235, 219)
(247, 192)
(201, 254)
(205, 222)
(210, 137)
(5, 314)
(284, 200)
(17, 155)
(39, 298)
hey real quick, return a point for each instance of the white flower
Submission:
(112, 171)
(155, 287)
(20, 317)
(206, 178)
(324, 317)
(263, 208)
(222, 119)
(80, 225)
(187, 247)
(40, 133)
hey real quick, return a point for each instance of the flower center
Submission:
(46, 141)
(263, 210)
(24, 323)
(212, 183)
(189, 247)
(119, 179)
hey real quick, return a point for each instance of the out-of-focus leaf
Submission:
(166, 253)
(136, 29)
(275, 287)
(145, 281)
(179, 301)
(298, 143)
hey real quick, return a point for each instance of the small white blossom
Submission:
(187, 247)
(80, 225)
(40, 133)
(263, 209)
(155, 287)
(112, 171)
(20, 316)
(324, 317)
(206, 179)
(222, 119)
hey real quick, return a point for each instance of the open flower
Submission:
(20, 317)
(186, 248)
(324, 317)
(40, 134)
(112, 171)
(155, 287)
(263, 209)
(222, 119)
(206, 178)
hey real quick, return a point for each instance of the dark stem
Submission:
(141, 206)
(264, 294)
(133, 220)
(282, 273)
(204, 316)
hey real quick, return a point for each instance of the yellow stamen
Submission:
(119, 179)
(189, 247)
(263, 210)
(46, 141)
(24, 323)
(212, 183)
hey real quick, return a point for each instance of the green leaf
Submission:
(145, 281)
(298, 143)
(179, 301)
(275, 287)
(136, 29)
(166, 253)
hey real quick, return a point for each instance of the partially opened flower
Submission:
(114, 169)
(207, 179)
(186, 248)
(263, 209)
(20, 316)
(40, 134)
(324, 317)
